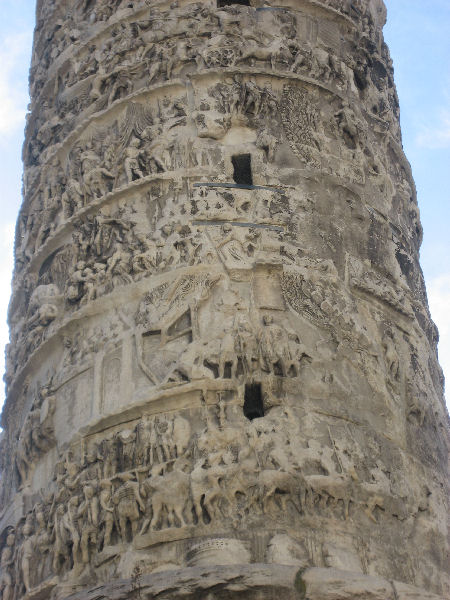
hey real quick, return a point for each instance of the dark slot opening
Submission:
(222, 3)
(242, 169)
(253, 401)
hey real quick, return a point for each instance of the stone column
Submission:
(222, 377)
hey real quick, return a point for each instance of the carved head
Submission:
(72, 469)
(267, 319)
(27, 528)
(88, 492)
(10, 539)
(181, 464)
(74, 501)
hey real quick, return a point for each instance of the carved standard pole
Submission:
(222, 377)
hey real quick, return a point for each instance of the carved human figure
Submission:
(88, 512)
(170, 243)
(43, 433)
(22, 455)
(27, 555)
(107, 510)
(43, 539)
(245, 344)
(274, 347)
(131, 162)
(69, 531)
(146, 259)
(391, 356)
(95, 181)
(72, 198)
(127, 441)
(76, 285)
(60, 549)
(6, 566)
(231, 248)
(162, 428)
(109, 455)
(98, 83)
(155, 454)
(267, 142)
(181, 435)
(128, 502)
(121, 84)
(91, 472)
(119, 266)
(155, 147)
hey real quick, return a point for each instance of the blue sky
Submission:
(417, 33)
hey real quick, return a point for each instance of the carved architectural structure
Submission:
(222, 377)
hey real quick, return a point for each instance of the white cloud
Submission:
(439, 299)
(436, 137)
(14, 54)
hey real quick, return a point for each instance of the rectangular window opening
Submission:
(242, 169)
(253, 401)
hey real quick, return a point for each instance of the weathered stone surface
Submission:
(408, 592)
(222, 378)
(256, 581)
(331, 584)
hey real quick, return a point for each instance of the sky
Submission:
(417, 33)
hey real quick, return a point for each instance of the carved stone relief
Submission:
(222, 367)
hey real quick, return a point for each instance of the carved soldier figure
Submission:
(131, 162)
(76, 287)
(107, 510)
(6, 566)
(72, 198)
(88, 511)
(152, 133)
(95, 181)
(91, 472)
(145, 260)
(127, 499)
(66, 532)
(274, 347)
(127, 442)
(27, 555)
(391, 356)
(245, 344)
(98, 83)
(42, 538)
(154, 447)
(162, 426)
(23, 452)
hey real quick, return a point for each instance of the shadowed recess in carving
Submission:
(242, 169)
(215, 184)
(222, 3)
(253, 401)
(238, 224)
